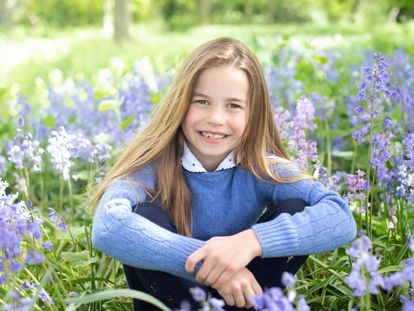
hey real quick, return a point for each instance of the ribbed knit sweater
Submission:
(223, 202)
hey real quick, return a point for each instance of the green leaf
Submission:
(99, 94)
(320, 59)
(126, 122)
(75, 256)
(108, 104)
(84, 263)
(50, 121)
(342, 154)
(116, 293)
(78, 259)
(155, 98)
(83, 175)
(75, 233)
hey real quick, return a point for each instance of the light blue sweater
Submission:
(223, 203)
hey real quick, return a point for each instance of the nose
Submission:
(216, 116)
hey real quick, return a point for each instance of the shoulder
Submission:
(144, 176)
(283, 168)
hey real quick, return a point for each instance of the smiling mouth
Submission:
(212, 135)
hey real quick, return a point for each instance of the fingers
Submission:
(248, 295)
(193, 259)
(214, 275)
(228, 298)
(222, 279)
(239, 298)
(257, 289)
(206, 269)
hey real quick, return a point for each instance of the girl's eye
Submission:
(201, 101)
(233, 105)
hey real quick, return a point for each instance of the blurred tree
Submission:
(204, 11)
(122, 19)
(62, 13)
(400, 10)
(6, 13)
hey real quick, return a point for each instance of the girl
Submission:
(205, 195)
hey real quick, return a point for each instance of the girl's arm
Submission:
(324, 225)
(134, 240)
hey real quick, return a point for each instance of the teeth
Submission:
(211, 135)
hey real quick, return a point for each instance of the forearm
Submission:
(251, 242)
(324, 225)
(134, 240)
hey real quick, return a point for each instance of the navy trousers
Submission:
(172, 290)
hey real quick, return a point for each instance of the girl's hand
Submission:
(240, 289)
(224, 256)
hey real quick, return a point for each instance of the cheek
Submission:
(189, 120)
(240, 125)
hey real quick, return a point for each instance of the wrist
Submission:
(252, 242)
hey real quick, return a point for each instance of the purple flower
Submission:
(357, 186)
(198, 294)
(393, 280)
(48, 245)
(408, 304)
(24, 151)
(34, 258)
(56, 219)
(288, 279)
(388, 123)
(45, 297)
(364, 268)
(375, 79)
(359, 109)
(216, 304)
(305, 113)
(357, 283)
(2, 164)
(60, 144)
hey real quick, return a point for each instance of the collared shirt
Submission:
(192, 164)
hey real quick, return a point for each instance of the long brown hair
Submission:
(162, 139)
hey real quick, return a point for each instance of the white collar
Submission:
(192, 164)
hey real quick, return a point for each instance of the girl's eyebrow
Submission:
(234, 99)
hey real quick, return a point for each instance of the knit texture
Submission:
(223, 203)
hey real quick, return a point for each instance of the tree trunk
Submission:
(354, 9)
(6, 10)
(122, 19)
(271, 11)
(392, 16)
(204, 11)
(248, 10)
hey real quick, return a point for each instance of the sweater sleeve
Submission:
(134, 240)
(325, 224)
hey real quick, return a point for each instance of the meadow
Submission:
(343, 102)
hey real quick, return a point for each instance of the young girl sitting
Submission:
(205, 195)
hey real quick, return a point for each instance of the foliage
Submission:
(342, 112)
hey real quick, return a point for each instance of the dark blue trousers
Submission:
(172, 290)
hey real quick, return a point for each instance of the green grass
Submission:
(88, 50)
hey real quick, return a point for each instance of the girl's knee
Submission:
(290, 206)
(155, 214)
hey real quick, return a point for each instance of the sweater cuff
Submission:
(277, 237)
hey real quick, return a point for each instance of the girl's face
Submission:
(217, 115)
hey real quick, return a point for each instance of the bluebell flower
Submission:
(56, 219)
(364, 268)
(288, 279)
(216, 304)
(48, 245)
(198, 294)
(45, 297)
(25, 151)
(2, 165)
(388, 123)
